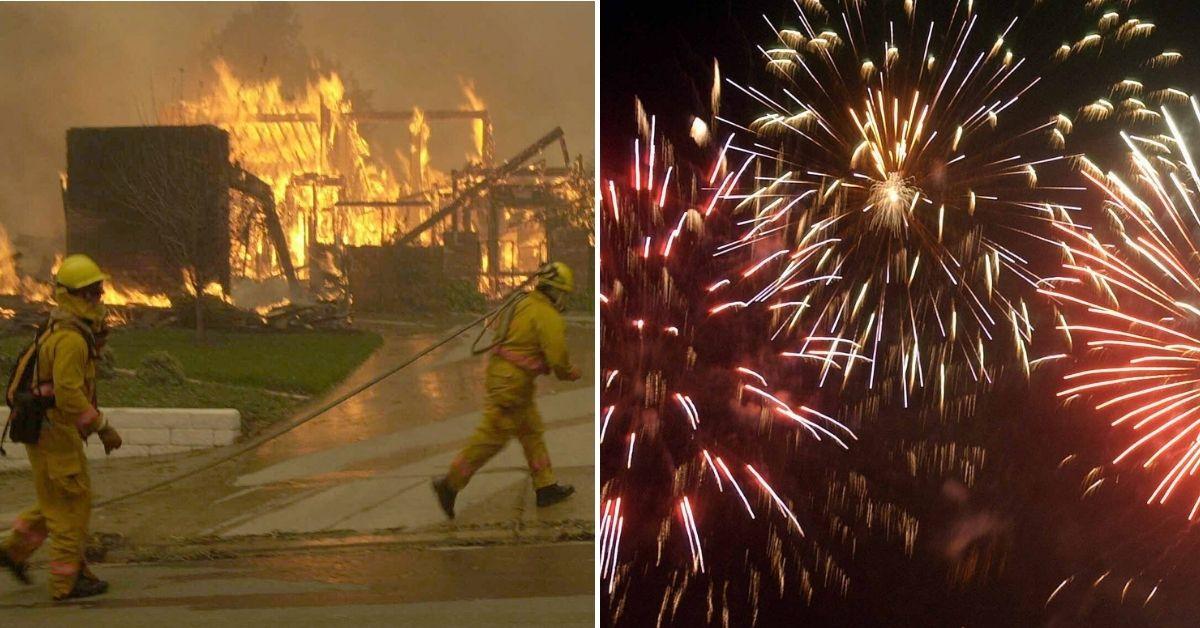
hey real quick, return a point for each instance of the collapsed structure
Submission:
(145, 202)
(275, 199)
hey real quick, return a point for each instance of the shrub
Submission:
(160, 368)
(463, 296)
(106, 366)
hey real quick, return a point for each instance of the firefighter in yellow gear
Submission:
(66, 368)
(532, 343)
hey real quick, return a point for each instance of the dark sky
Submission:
(74, 64)
(663, 53)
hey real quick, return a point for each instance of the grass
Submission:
(234, 368)
(11, 345)
(301, 362)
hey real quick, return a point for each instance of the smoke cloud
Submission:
(80, 64)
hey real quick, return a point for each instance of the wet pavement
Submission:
(292, 514)
(528, 585)
(381, 483)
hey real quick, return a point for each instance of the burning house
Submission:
(268, 198)
(145, 202)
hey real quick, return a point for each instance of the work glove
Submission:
(110, 438)
(574, 374)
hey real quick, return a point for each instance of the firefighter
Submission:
(532, 343)
(66, 368)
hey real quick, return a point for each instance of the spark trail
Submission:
(903, 177)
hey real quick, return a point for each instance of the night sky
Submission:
(663, 53)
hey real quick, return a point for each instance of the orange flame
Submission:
(310, 151)
(117, 295)
(12, 283)
(477, 127)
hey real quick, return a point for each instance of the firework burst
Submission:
(901, 182)
(871, 228)
(708, 439)
(1134, 302)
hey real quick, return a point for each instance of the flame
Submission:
(117, 295)
(310, 151)
(263, 310)
(478, 130)
(12, 282)
(419, 153)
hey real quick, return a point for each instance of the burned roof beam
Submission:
(562, 143)
(257, 189)
(395, 203)
(309, 178)
(377, 116)
(435, 114)
(505, 169)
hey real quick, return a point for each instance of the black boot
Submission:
(445, 496)
(84, 587)
(550, 495)
(20, 571)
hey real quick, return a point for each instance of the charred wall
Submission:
(572, 247)
(394, 278)
(414, 278)
(147, 202)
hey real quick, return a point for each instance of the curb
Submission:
(155, 432)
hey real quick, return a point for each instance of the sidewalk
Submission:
(544, 585)
(364, 465)
(367, 485)
(335, 522)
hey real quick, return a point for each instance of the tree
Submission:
(175, 182)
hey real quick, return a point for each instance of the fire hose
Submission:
(504, 309)
(502, 313)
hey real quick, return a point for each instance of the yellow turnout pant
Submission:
(64, 505)
(508, 412)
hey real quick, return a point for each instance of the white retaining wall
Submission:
(155, 431)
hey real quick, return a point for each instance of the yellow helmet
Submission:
(78, 271)
(557, 275)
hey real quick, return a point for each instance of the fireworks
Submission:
(886, 224)
(662, 374)
(708, 438)
(901, 183)
(1134, 296)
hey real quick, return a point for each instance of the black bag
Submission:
(27, 411)
(28, 414)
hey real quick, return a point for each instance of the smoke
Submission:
(263, 42)
(72, 66)
(76, 65)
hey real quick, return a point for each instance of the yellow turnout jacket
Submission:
(65, 361)
(536, 343)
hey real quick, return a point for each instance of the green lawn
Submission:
(232, 365)
(300, 362)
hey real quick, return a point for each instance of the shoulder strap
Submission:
(24, 372)
(88, 337)
(82, 330)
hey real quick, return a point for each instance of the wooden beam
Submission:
(373, 116)
(395, 203)
(505, 169)
(256, 188)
